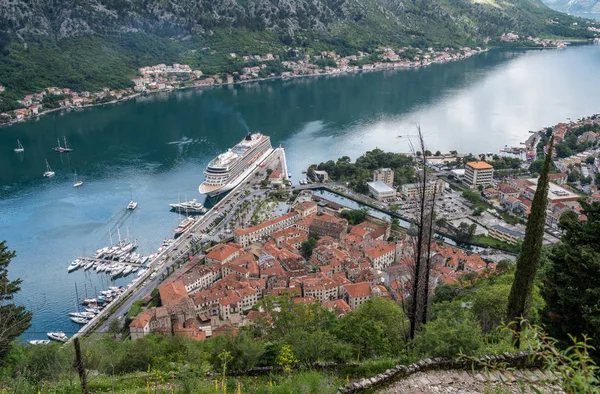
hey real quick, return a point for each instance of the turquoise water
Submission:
(155, 148)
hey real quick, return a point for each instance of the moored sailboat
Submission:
(49, 173)
(19, 148)
(77, 183)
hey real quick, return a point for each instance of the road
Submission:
(178, 251)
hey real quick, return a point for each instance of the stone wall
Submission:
(518, 360)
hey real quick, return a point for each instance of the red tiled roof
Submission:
(141, 320)
(305, 205)
(362, 289)
(479, 165)
(221, 252)
(172, 293)
(380, 250)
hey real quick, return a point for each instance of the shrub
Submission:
(452, 332)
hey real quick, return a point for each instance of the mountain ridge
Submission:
(88, 44)
(575, 6)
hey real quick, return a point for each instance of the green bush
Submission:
(453, 331)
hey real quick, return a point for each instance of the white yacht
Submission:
(229, 169)
(79, 320)
(39, 342)
(189, 207)
(49, 173)
(132, 205)
(74, 265)
(57, 336)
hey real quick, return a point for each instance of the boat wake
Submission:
(183, 141)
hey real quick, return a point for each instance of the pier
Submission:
(105, 261)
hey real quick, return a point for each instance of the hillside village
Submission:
(162, 77)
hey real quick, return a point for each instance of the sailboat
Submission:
(66, 148)
(49, 173)
(58, 148)
(62, 149)
(77, 183)
(19, 148)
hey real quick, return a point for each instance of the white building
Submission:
(380, 191)
(478, 173)
(411, 190)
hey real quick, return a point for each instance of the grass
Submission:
(301, 382)
(484, 240)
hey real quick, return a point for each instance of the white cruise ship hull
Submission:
(211, 191)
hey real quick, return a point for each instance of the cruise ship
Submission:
(229, 169)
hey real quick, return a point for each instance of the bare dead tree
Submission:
(422, 242)
(80, 367)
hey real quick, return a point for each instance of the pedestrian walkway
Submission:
(478, 382)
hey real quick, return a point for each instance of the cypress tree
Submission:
(519, 301)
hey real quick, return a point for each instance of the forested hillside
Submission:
(87, 44)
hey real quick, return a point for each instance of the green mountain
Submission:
(87, 44)
(575, 6)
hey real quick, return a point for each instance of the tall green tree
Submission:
(571, 279)
(519, 300)
(14, 320)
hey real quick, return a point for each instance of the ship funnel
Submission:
(249, 136)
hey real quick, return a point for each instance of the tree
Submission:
(465, 232)
(376, 328)
(521, 292)
(590, 159)
(438, 153)
(14, 320)
(421, 248)
(536, 166)
(306, 248)
(354, 216)
(570, 279)
(489, 305)
(573, 176)
(452, 331)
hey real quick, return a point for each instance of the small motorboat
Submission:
(39, 342)
(74, 265)
(79, 320)
(58, 336)
(132, 205)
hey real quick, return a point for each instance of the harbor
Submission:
(49, 223)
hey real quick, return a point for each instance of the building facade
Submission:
(478, 173)
(385, 175)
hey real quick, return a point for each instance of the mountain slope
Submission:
(86, 44)
(575, 6)
(69, 18)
